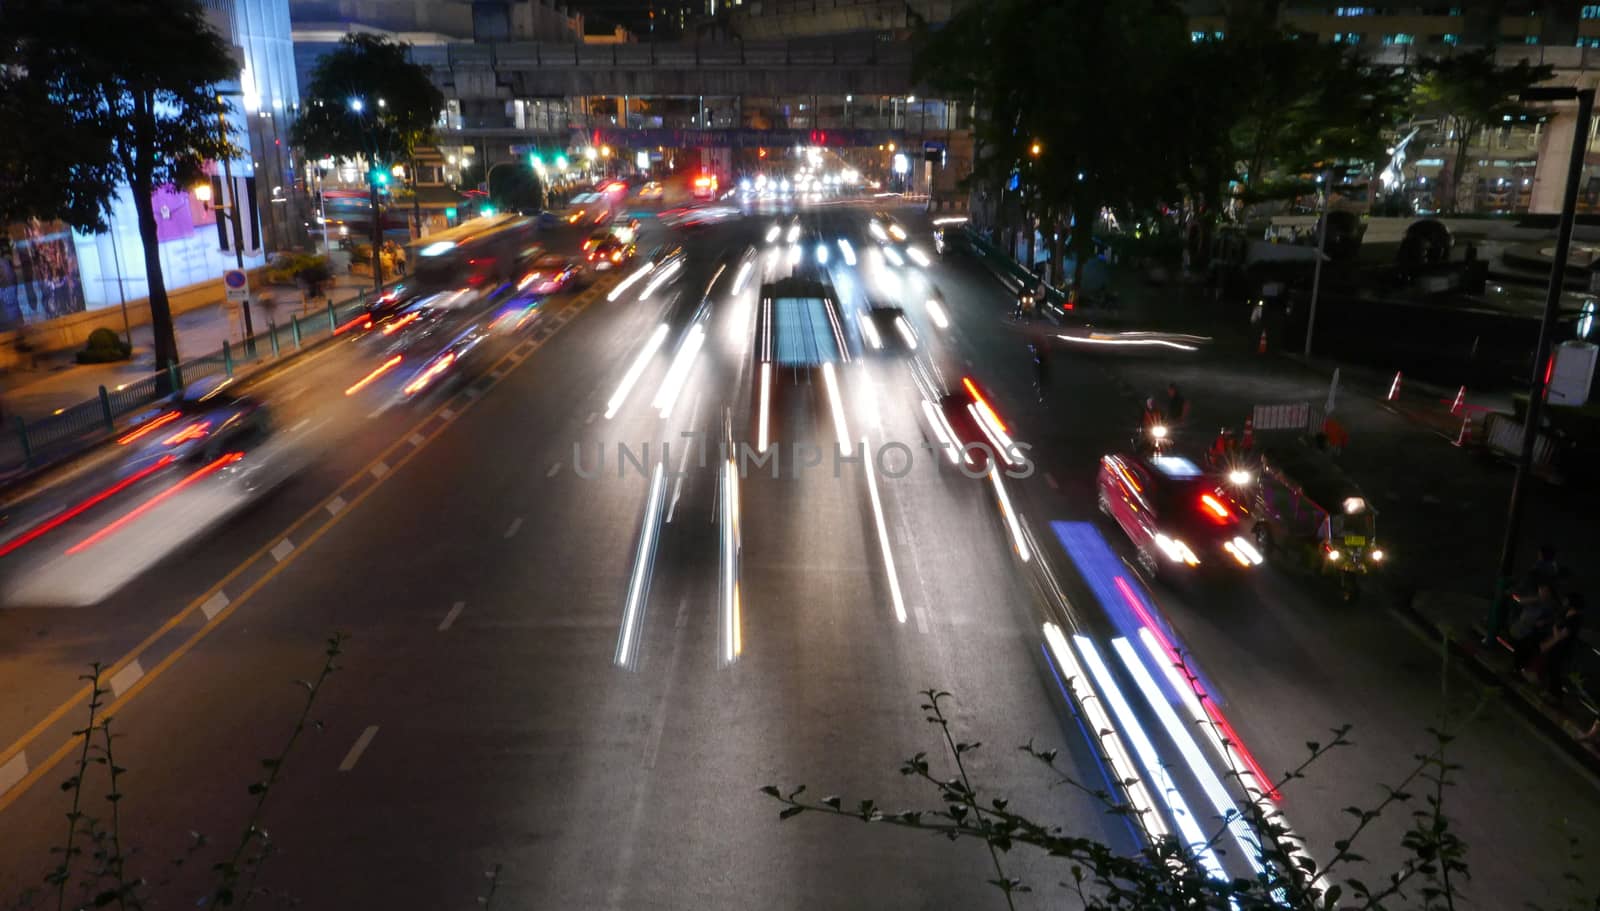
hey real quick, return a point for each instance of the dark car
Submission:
(549, 274)
(967, 431)
(1180, 518)
(206, 421)
(885, 328)
(614, 253)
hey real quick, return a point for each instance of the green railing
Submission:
(28, 444)
(1008, 267)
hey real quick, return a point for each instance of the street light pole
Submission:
(1316, 270)
(1552, 301)
(233, 215)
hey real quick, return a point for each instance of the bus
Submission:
(486, 250)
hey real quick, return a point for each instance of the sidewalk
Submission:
(59, 382)
(1441, 507)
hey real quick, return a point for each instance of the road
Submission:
(581, 677)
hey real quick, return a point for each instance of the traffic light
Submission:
(535, 161)
(379, 177)
(450, 213)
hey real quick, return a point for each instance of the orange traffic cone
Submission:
(1394, 388)
(1464, 437)
(1461, 399)
(1261, 347)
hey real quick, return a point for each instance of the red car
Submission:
(1180, 518)
(550, 273)
(967, 433)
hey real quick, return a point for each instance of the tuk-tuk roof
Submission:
(1315, 473)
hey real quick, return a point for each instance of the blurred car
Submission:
(596, 239)
(548, 220)
(885, 328)
(613, 253)
(651, 190)
(1180, 518)
(206, 421)
(551, 273)
(967, 431)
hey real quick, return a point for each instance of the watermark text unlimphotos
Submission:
(891, 459)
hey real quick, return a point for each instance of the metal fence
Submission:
(29, 444)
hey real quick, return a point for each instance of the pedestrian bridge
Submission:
(861, 64)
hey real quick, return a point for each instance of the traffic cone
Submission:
(1461, 399)
(1249, 440)
(1261, 347)
(1464, 437)
(1394, 388)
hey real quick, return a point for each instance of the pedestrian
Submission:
(1555, 652)
(1338, 438)
(1544, 569)
(1041, 368)
(1536, 618)
(1177, 405)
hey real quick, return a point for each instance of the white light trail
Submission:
(918, 257)
(623, 285)
(937, 314)
(742, 277)
(642, 360)
(666, 273)
(904, 328)
(772, 233)
(837, 406)
(848, 251)
(794, 233)
(892, 256)
(941, 429)
(643, 560)
(870, 331)
(794, 254)
(1123, 771)
(877, 230)
(766, 398)
(1150, 759)
(1002, 441)
(822, 254)
(1209, 783)
(1012, 522)
(883, 530)
(732, 635)
(682, 363)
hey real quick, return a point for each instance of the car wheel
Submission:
(1264, 540)
(1147, 562)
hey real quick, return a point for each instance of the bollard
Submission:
(1464, 438)
(272, 333)
(174, 377)
(294, 328)
(333, 318)
(22, 437)
(105, 409)
(1261, 346)
(1394, 388)
(227, 358)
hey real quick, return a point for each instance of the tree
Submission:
(1467, 92)
(127, 87)
(514, 187)
(1428, 868)
(368, 101)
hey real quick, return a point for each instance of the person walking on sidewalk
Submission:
(1041, 367)
(1536, 619)
(1555, 652)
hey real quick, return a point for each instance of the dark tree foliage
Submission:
(399, 105)
(102, 94)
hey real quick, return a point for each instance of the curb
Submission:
(1472, 659)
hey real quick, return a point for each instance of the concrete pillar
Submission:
(1550, 172)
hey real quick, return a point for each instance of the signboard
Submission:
(238, 285)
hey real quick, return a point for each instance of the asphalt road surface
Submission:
(579, 642)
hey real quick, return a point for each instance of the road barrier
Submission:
(82, 426)
(1503, 436)
(1301, 416)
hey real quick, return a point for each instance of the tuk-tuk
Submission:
(1308, 510)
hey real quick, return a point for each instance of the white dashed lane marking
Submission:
(450, 618)
(282, 550)
(554, 470)
(415, 439)
(214, 605)
(380, 469)
(516, 525)
(125, 678)
(335, 505)
(357, 748)
(1051, 480)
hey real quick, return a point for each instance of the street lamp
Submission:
(376, 177)
(1035, 149)
(1552, 300)
(233, 214)
(356, 105)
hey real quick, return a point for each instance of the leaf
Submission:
(770, 790)
(788, 812)
(832, 802)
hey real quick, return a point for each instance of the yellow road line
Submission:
(78, 699)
